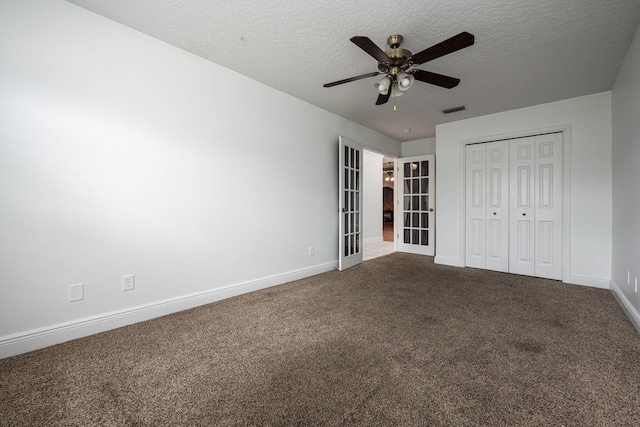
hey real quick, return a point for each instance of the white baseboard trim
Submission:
(377, 239)
(454, 262)
(589, 281)
(627, 307)
(23, 342)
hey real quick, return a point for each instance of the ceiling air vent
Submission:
(454, 109)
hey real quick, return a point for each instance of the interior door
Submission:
(548, 205)
(522, 217)
(349, 203)
(415, 218)
(497, 251)
(475, 227)
(487, 205)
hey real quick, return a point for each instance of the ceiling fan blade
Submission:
(382, 99)
(446, 47)
(371, 48)
(351, 79)
(436, 79)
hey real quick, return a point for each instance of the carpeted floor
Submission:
(393, 341)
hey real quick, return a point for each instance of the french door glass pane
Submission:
(424, 203)
(425, 185)
(416, 186)
(351, 190)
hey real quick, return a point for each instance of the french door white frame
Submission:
(417, 215)
(566, 189)
(350, 191)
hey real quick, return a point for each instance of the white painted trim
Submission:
(454, 262)
(377, 239)
(588, 281)
(11, 345)
(625, 304)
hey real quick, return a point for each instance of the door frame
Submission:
(566, 187)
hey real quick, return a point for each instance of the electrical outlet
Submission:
(311, 250)
(76, 292)
(128, 282)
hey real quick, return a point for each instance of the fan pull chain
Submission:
(395, 103)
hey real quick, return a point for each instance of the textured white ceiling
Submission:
(526, 52)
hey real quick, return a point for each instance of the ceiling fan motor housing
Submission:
(399, 57)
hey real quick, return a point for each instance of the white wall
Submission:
(626, 178)
(419, 147)
(589, 118)
(372, 197)
(121, 154)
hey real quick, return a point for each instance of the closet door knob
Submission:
(494, 213)
(524, 214)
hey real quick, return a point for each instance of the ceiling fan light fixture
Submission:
(383, 85)
(396, 91)
(405, 81)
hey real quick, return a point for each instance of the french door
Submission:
(349, 203)
(415, 204)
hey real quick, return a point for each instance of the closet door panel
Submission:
(521, 213)
(497, 211)
(548, 204)
(475, 206)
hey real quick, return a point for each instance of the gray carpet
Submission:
(393, 341)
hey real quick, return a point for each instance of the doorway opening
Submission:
(388, 189)
(378, 204)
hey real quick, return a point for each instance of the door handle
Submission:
(524, 214)
(431, 210)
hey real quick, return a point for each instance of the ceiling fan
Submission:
(399, 64)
